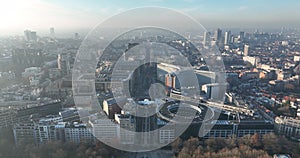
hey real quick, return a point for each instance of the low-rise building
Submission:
(288, 126)
(78, 132)
(225, 128)
(52, 128)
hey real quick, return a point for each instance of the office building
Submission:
(23, 114)
(214, 91)
(165, 74)
(227, 37)
(46, 132)
(70, 115)
(206, 39)
(76, 35)
(52, 33)
(7, 117)
(113, 106)
(30, 36)
(254, 61)
(51, 128)
(105, 130)
(242, 36)
(144, 125)
(218, 34)
(63, 64)
(127, 128)
(290, 127)
(246, 50)
(78, 132)
(296, 58)
(24, 133)
(227, 128)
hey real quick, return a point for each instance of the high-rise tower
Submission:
(246, 50)
(52, 33)
(227, 37)
(206, 37)
(218, 35)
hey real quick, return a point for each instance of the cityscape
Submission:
(139, 85)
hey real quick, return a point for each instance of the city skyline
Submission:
(152, 78)
(40, 15)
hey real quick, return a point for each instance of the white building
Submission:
(78, 132)
(252, 60)
(52, 128)
(215, 91)
(246, 50)
(45, 129)
(127, 128)
(296, 58)
(105, 130)
(288, 126)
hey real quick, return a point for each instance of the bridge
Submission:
(220, 106)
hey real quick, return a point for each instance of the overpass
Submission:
(215, 105)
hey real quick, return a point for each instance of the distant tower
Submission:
(30, 36)
(63, 63)
(217, 35)
(59, 61)
(227, 37)
(68, 64)
(33, 36)
(242, 35)
(27, 35)
(246, 50)
(206, 37)
(52, 33)
(76, 35)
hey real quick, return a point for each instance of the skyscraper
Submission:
(218, 35)
(206, 37)
(76, 35)
(33, 36)
(63, 63)
(27, 35)
(59, 61)
(30, 36)
(242, 35)
(246, 50)
(227, 37)
(52, 33)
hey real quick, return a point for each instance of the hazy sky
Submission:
(18, 15)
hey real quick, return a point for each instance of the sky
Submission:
(40, 15)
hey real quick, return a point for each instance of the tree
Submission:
(198, 153)
(231, 142)
(255, 141)
(6, 142)
(60, 153)
(271, 143)
(177, 145)
(215, 144)
(191, 144)
(184, 153)
(245, 140)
